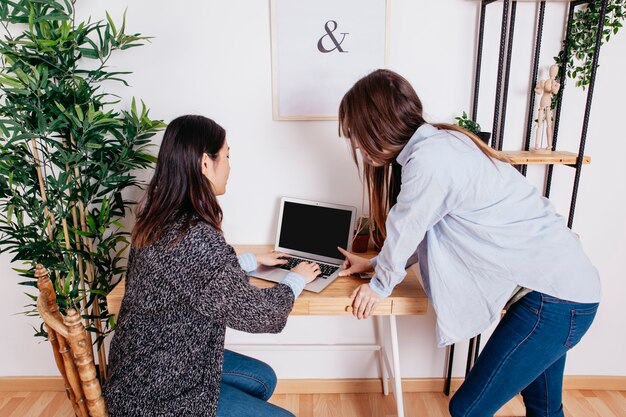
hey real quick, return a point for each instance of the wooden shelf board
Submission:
(534, 158)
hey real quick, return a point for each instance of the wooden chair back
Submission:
(72, 351)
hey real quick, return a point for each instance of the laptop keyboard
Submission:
(326, 270)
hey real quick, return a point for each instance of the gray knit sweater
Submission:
(166, 353)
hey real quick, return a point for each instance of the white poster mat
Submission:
(320, 48)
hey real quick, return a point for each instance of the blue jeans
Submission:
(526, 354)
(246, 386)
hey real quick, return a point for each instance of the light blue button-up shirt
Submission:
(479, 230)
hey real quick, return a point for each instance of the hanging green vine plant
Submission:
(582, 41)
(66, 154)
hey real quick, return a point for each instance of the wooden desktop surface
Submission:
(408, 298)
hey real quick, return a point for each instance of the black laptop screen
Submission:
(314, 229)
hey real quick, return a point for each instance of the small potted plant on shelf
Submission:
(361, 238)
(471, 126)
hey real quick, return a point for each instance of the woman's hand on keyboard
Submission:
(354, 264)
(308, 270)
(272, 258)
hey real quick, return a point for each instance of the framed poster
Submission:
(320, 48)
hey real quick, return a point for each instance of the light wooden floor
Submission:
(578, 403)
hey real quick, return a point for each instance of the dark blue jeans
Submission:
(246, 386)
(526, 354)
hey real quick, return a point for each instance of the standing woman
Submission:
(484, 237)
(184, 286)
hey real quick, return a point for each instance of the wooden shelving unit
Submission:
(521, 159)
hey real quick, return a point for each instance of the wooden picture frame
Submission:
(320, 48)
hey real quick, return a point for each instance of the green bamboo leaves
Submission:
(67, 156)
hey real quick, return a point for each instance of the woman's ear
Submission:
(208, 169)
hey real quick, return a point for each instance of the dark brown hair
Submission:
(178, 189)
(379, 115)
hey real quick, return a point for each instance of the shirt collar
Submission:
(423, 132)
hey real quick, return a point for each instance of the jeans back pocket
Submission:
(581, 320)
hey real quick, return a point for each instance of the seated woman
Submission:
(184, 286)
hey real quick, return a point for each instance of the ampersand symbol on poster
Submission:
(329, 33)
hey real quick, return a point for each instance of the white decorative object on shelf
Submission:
(547, 88)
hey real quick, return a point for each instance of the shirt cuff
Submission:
(378, 289)
(247, 261)
(296, 282)
(374, 261)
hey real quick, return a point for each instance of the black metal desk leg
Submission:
(477, 349)
(470, 354)
(446, 388)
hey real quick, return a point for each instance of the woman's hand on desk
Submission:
(272, 258)
(354, 264)
(365, 301)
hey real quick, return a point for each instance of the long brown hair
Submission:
(379, 114)
(178, 189)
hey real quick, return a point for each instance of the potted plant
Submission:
(68, 156)
(471, 126)
(361, 239)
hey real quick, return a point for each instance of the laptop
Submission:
(311, 231)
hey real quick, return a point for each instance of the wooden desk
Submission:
(408, 298)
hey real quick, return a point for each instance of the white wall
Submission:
(213, 58)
